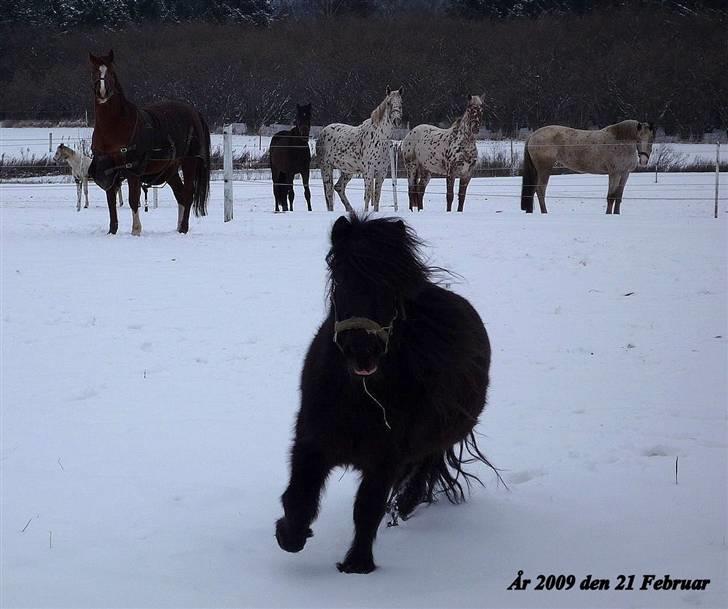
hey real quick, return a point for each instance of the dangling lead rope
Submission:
(376, 401)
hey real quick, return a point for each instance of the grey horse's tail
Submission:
(530, 177)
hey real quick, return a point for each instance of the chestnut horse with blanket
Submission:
(614, 150)
(147, 146)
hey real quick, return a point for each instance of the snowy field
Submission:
(26, 142)
(149, 387)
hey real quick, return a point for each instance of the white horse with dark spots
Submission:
(79, 164)
(448, 152)
(615, 150)
(362, 149)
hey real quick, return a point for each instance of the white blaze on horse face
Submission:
(644, 145)
(396, 107)
(102, 83)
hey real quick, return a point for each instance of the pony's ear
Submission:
(94, 60)
(388, 90)
(340, 230)
(402, 226)
(401, 89)
(470, 97)
(110, 56)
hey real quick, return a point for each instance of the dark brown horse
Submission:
(147, 146)
(289, 155)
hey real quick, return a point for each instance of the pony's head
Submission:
(374, 267)
(645, 139)
(303, 118)
(393, 103)
(61, 153)
(474, 113)
(103, 76)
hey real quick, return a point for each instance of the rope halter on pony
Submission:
(370, 326)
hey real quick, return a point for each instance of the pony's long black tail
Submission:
(530, 177)
(202, 172)
(447, 475)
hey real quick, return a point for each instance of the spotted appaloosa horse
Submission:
(363, 149)
(449, 152)
(614, 150)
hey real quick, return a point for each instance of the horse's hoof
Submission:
(351, 565)
(288, 540)
(112, 231)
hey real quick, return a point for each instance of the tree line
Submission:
(581, 63)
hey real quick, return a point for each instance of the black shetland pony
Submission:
(147, 146)
(289, 155)
(392, 385)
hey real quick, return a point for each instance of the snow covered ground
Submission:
(149, 386)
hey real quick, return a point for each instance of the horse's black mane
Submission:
(382, 252)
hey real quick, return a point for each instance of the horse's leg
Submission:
(188, 193)
(541, 183)
(450, 191)
(135, 192)
(424, 181)
(113, 220)
(175, 183)
(85, 191)
(280, 189)
(620, 190)
(462, 189)
(291, 193)
(327, 177)
(412, 185)
(368, 188)
(306, 189)
(378, 181)
(276, 193)
(369, 508)
(78, 194)
(309, 470)
(340, 188)
(612, 192)
(414, 489)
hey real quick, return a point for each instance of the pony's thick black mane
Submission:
(382, 252)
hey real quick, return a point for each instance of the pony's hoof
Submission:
(291, 540)
(112, 230)
(353, 565)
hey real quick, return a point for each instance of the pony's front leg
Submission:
(309, 470)
(135, 192)
(113, 220)
(369, 508)
(450, 191)
(462, 189)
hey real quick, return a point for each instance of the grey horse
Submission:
(615, 150)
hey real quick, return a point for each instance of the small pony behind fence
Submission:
(392, 385)
(614, 150)
(79, 164)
